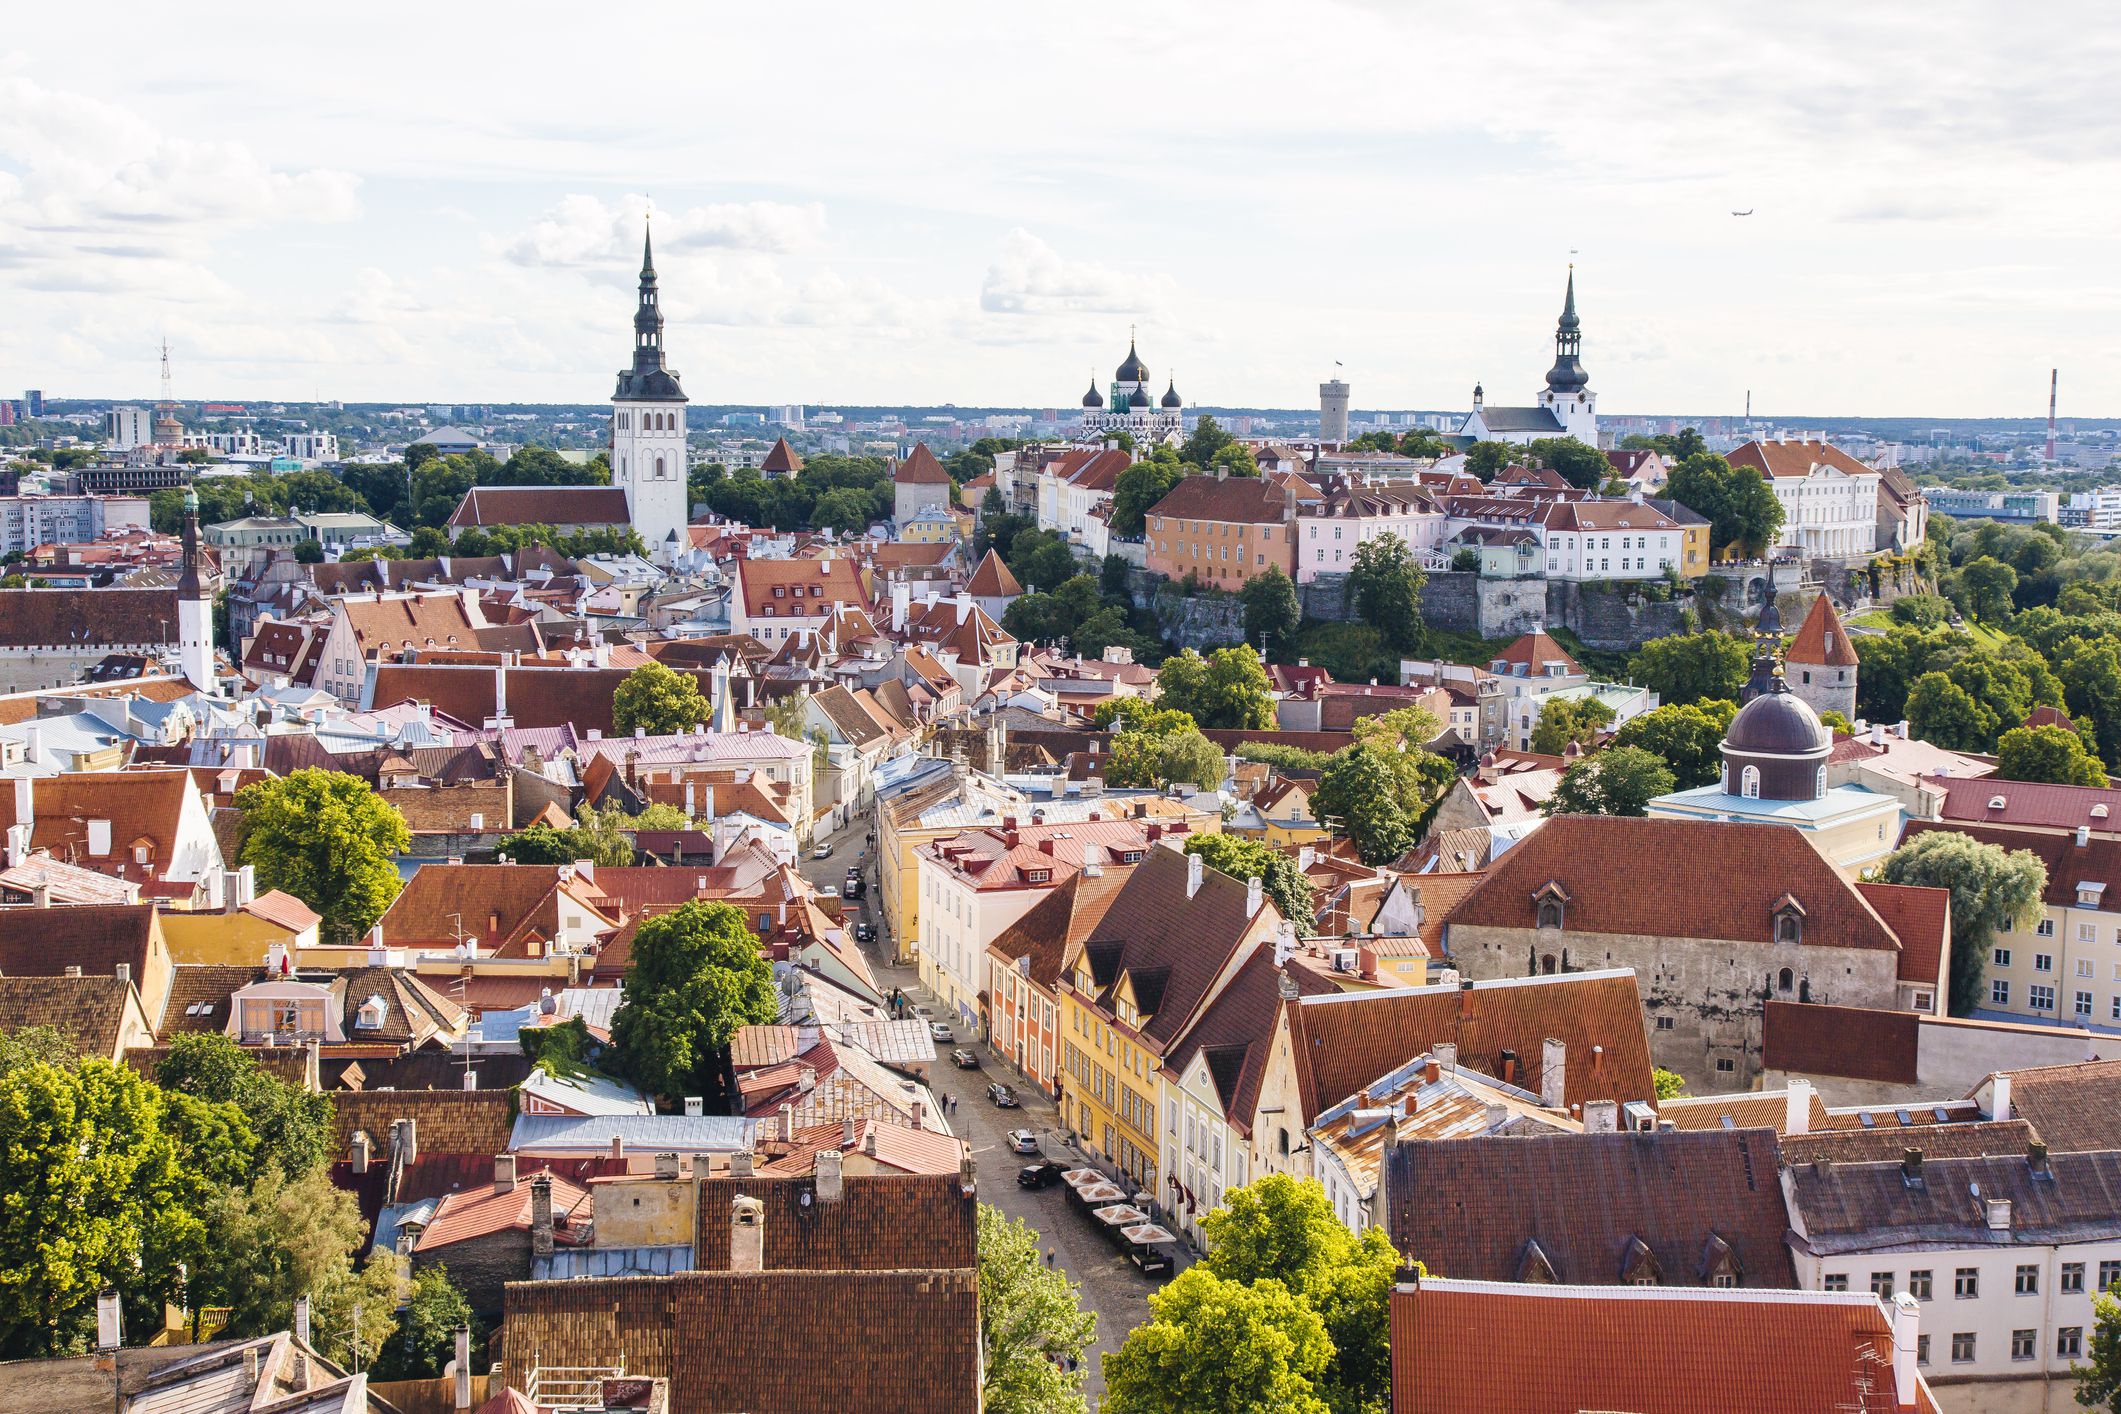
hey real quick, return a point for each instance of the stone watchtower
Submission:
(1821, 663)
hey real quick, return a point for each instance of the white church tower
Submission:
(648, 459)
(1568, 392)
(195, 607)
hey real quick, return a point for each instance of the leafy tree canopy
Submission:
(1228, 689)
(2047, 753)
(1621, 780)
(329, 840)
(1693, 667)
(697, 975)
(1685, 736)
(1033, 1328)
(1993, 890)
(1280, 879)
(1387, 581)
(659, 700)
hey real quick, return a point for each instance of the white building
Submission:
(1566, 408)
(1134, 407)
(1829, 499)
(29, 521)
(1357, 509)
(125, 428)
(648, 457)
(2002, 1253)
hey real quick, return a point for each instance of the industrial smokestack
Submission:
(2054, 380)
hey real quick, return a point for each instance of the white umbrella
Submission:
(1147, 1233)
(1120, 1215)
(1103, 1193)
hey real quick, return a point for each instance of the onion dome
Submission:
(1171, 398)
(1133, 370)
(1138, 399)
(1093, 398)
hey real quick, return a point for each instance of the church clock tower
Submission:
(648, 458)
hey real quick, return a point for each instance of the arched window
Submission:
(1789, 928)
(659, 468)
(1550, 914)
(1546, 965)
(1785, 980)
(1749, 783)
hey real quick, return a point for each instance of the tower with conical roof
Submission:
(648, 457)
(1568, 392)
(1821, 663)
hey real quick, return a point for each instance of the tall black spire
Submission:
(1567, 375)
(188, 585)
(648, 380)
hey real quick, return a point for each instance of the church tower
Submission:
(648, 458)
(195, 607)
(1568, 392)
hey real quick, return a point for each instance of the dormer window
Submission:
(1789, 920)
(1038, 876)
(371, 1015)
(1749, 783)
(1551, 903)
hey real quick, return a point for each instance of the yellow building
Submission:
(241, 938)
(1131, 993)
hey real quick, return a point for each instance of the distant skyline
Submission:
(971, 204)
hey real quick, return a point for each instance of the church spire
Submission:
(648, 252)
(648, 318)
(1567, 375)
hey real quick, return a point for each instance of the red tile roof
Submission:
(1796, 458)
(1921, 919)
(1675, 878)
(920, 468)
(540, 505)
(782, 460)
(992, 580)
(2068, 864)
(87, 618)
(1342, 1042)
(1535, 650)
(1820, 638)
(2033, 804)
(1510, 1349)
(1856, 1043)
(1061, 920)
(809, 588)
(1236, 500)
(485, 1210)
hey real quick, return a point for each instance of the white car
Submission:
(823, 851)
(1023, 1141)
(941, 1032)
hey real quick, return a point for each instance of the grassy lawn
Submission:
(1983, 635)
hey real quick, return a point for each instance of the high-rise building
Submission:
(1333, 411)
(33, 402)
(125, 428)
(648, 460)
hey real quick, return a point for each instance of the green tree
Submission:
(1140, 714)
(1671, 1085)
(1216, 1346)
(1983, 589)
(1279, 878)
(1621, 780)
(1283, 1229)
(1204, 442)
(1272, 611)
(1993, 890)
(1033, 1328)
(1388, 581)
(329, 840)
(2099, 1378)
(1740, 506)
(2091, 680)
(93, 1193)
(1685, 736)
(1693, 667)
(844, 509)
(1581, 465)
(1227, 690)
(660, 700)
(697, 976)
(426, 1336)
(1941, 712)
(1889, 663)
(1360, 792)
(294, 1127)
(1487, 460)
(375, 1290)
(278, 1239)
(309, 552)
(1041, 559)
(1566, 720)
(1191, 759)
(2050, 753)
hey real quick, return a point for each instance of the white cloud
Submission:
(584, 231)
(1031, 277)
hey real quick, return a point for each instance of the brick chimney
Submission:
(541, 1215)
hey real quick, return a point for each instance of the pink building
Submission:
(1355, 510)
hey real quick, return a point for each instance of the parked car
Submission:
(853, 886)
(941, 1032)
(828, 892)
(964, 1059)
(1023, 1141)
(865, 932)
(1040, 1175)
(823, 851)
(1002, 1095)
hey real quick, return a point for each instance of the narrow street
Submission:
(1110, 1284)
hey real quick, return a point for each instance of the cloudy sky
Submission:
(971, 203)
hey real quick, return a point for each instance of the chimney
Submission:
(99, 838)
(787, 1124)
(666, 1166)
(2084, 836)
(1445, 1055)
(1253, 896)
(1508, 1065)
(1999, 1214)
(1433, 1071)
(1601, 1117)
(123, 972)
(541, 1215)
(740, 1165)
(302, 1318)
(1911, 1166)
(920, 1115)
(828, 1176)
(405, 1140)
(1465, 1000)
(967, 1175)
(2000, 1095)
(1553, 1072)
(618, 1146)
(250, 1365)
(360, 1153)
(695, 1106)
(110, 1320)
(1194, 865)
(25, 794)
(2036, 1159)
(1306, 856)
(504, 1173)
(847, 1128)
(17, 844)
(1907, 1318)
(747, 1234)
(461, 1369)
(1797, 1108)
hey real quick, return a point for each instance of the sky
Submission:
(936, 203)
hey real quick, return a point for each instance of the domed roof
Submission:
(1133, 370)
(1093, 398)
(1171, 398)
(1778, 723)
(1138, 399)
